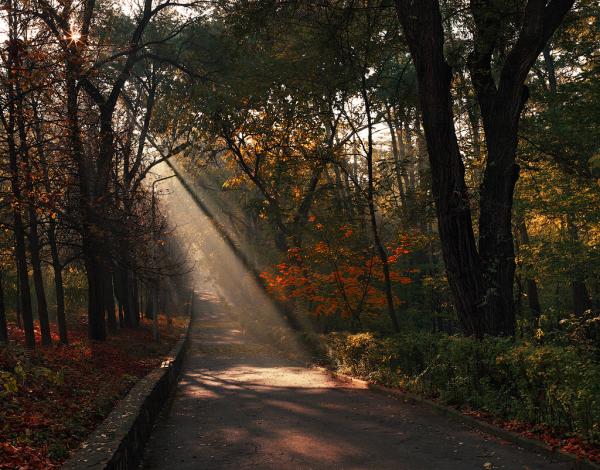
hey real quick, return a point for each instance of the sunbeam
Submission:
(219, 266)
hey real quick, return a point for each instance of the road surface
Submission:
(240, 405)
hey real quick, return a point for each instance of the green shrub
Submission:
(553, 385)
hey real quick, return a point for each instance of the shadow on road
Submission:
(240, 404)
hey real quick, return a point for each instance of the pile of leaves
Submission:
(52, 398)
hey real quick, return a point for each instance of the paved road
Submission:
(240, 405)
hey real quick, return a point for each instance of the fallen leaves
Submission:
(59, 394)
(550, 437)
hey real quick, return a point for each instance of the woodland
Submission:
(416, 185)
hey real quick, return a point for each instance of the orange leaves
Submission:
(321, 248)
(347, 231)
(399, 278)
(398, 251)
(335, 279)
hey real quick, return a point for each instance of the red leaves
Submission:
(570, 445)
(24, 457)
(335, 279)
(65, 391)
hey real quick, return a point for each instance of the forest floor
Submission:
(53, 397)
(241, 404)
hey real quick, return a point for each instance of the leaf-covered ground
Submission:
(552, 438)
(51, 399)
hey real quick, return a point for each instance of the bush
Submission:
(553, 385)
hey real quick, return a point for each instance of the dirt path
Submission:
(239, 405)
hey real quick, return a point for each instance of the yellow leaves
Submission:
(233, 182)
(8, 384)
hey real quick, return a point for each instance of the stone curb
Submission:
(529, 444)
(118, 442)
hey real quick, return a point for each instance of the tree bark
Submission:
(96, 320)
(481, 278)
(34, 242)
(51, 234)
(422, 24)
(109, 303)
(18, 304)
(533, 297)
(15, 182)
(3, 328)
(579, 292)
(61, 318)
(397, 161)
(38, 279)
(373, 213)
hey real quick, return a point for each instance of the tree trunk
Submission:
(109, 303)
(121, 316)
(423, 28)
(533, 297)
(19, 232)
(24, 291)
(579, 291)
(496, 246)
(373, 214)
(51, 234)
(481, 280)
(397, 161)
(34, 249)
(61, 318)
(91, 245)
(34, 244)
(18, 305)
(136, 301)
(3, 328)
(38, 279)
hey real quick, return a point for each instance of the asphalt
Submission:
(242, 405)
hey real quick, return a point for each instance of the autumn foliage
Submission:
(334, 278)
(51, 398)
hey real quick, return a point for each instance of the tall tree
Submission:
(481, 277)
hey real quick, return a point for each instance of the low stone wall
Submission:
(119, 441)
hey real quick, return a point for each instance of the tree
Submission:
(71, 29)
(481, 276)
